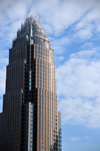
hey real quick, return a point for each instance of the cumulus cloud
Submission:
(78, 83)
(79, 138)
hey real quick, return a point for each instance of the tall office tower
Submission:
(30, 118)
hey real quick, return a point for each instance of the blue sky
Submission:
(73, 27)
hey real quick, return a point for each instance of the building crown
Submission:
(31, 28)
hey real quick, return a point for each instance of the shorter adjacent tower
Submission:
(30, 118)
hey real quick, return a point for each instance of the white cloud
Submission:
(87, 54)
(83, 34)
(13, 10)
(78, 82)
(74, 139)
(79, 138)
(64, 13)
(58, 60)
(89, 23)
(61, 44)
(48, 28)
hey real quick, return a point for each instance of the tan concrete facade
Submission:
(47, 102)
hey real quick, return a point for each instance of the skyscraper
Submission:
(30, 117)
